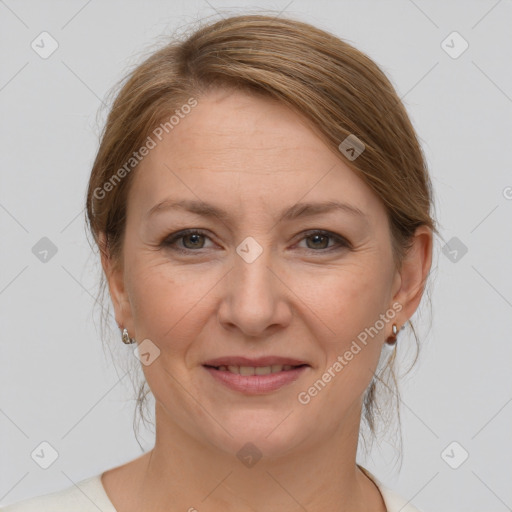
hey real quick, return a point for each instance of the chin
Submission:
(259, 433)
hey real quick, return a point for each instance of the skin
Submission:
(302, 297)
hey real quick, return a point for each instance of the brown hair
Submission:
(336, 88)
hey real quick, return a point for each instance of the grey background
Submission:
(60, 385)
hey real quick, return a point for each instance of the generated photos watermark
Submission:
(149, 144)
(305, 397)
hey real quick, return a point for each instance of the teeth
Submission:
(263, 370)
(258, 370)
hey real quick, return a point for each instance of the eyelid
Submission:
(171, 239)
(341, 239)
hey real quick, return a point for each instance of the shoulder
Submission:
(393, 501)
(396, 503)
(86, 496)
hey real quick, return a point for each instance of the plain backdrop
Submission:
(60, 385)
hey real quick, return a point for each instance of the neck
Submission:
(186, 474)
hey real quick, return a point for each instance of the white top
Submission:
(89, 496)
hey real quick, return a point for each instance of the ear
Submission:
(114, 274)
(414, 272)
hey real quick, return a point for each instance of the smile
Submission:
(256, 370)
(255, 380)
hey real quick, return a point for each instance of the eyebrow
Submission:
(298, 210)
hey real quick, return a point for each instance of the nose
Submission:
(255, 299)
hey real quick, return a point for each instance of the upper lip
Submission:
(254, 362)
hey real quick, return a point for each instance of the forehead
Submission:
(229, 125)
(255, 149)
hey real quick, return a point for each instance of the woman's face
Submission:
(257, 281)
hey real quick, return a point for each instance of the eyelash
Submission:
(174, 237)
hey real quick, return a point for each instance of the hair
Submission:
(338, 90)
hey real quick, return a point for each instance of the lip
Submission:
(255, 362)
(256, 384)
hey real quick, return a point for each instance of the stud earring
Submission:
(391, 340)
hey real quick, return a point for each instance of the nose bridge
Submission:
(252, 276)
(253, 293)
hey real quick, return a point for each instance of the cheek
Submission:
(166, 304)
(351, 307)
(350, 301)
(344, 299)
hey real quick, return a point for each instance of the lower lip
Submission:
(256, 384)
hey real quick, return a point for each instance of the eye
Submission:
(192, 239)
(320, 241)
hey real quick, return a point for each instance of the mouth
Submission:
(255, 370)
(255, 376)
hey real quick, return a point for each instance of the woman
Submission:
(262, 209)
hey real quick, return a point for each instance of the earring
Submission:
(126, 338)
(392, 339)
